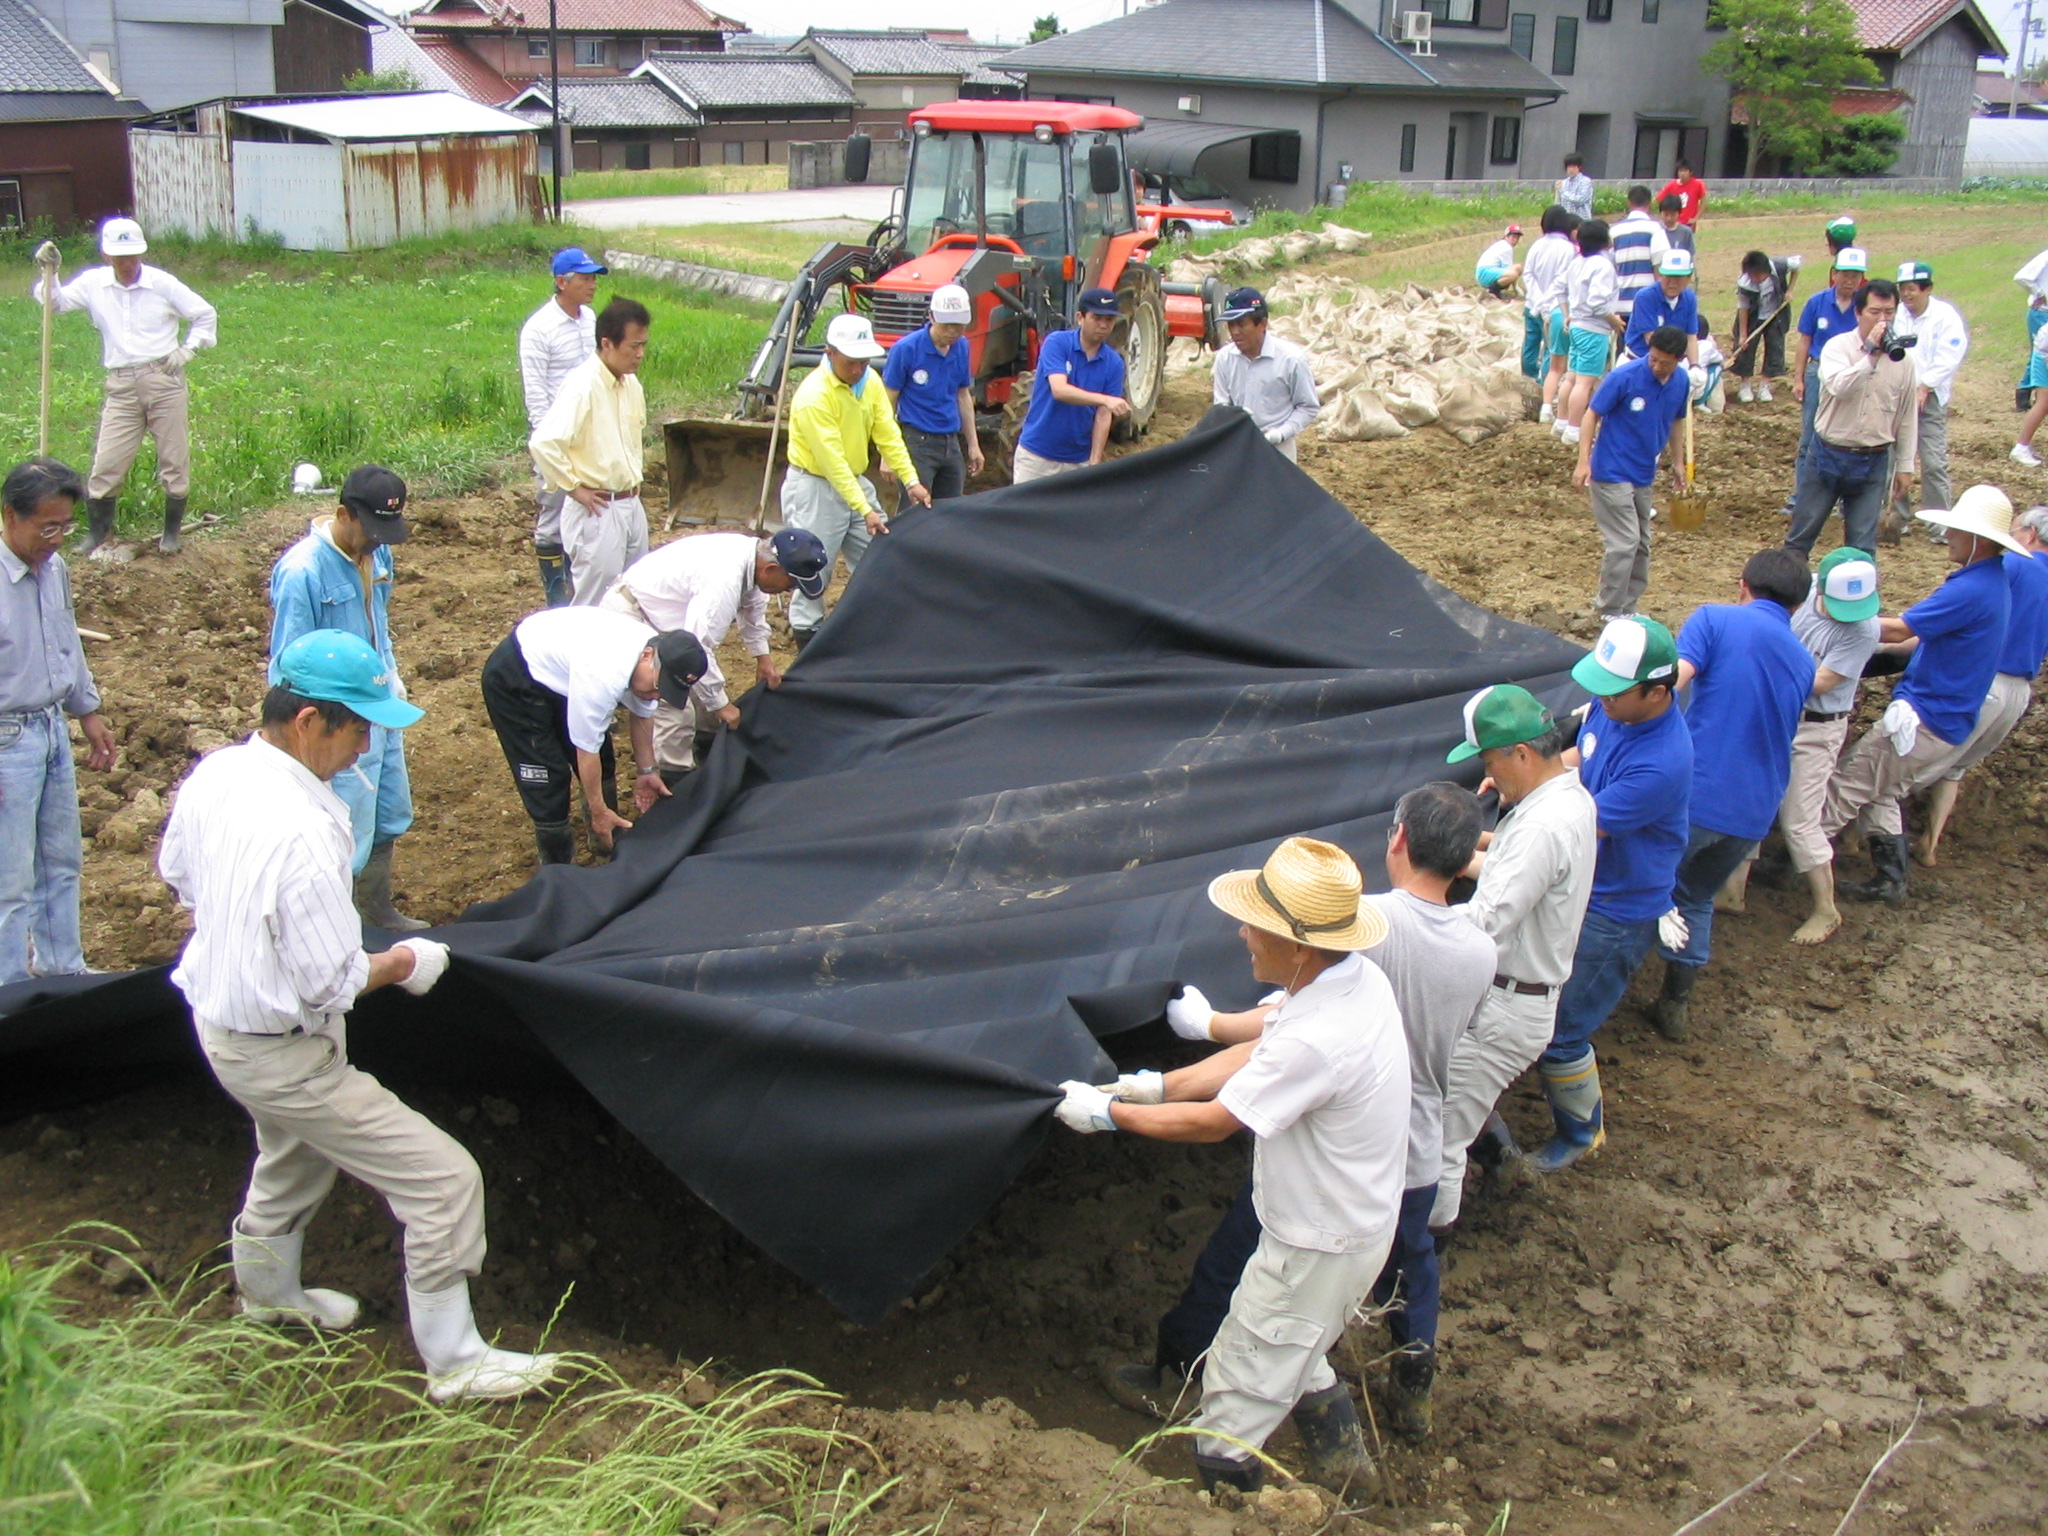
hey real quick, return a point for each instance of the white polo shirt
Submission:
(587, 655)
(701, 583)
(1325, 1091)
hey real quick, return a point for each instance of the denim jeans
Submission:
(40, 851)
(1808, 408)
(1828, 475)
(377, 792)
(1710, 858)
(1191, 1326)
(1412, 1267)
(1609, 951)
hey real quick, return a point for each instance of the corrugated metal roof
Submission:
(748, 80)
(34, 57)
(429, 115)
(1893, 26)
(881, 53)
(635, 102)
(634, 16)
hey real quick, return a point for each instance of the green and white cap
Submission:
(1630, 650)
(1848, 584)
(1842, 224)
(1852, 258)
(1915, 272)
(1500, 717)
(1675, 263)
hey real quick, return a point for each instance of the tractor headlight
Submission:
(1042, 133)
(922, 130)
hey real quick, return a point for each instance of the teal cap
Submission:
(340, 668)
(1500, 717)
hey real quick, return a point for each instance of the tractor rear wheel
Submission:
(1141, 337)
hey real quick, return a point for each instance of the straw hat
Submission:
(1984, 510)
(1308, 892)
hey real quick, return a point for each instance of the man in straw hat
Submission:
(1535, 876)
(1324, 1089)
(1960, 627)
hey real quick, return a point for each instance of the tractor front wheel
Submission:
(1141, 337)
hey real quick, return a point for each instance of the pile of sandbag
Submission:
(1269, 251)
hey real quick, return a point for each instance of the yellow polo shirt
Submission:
(592, 433)
(833, 430)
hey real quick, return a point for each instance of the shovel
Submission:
(1688, 512)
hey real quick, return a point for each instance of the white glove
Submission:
(1794, 262)
(178, 357)
(48, 257)
(398, 689)
(1190, 1015)
(1139, 1088)
(1276, 437)
(1673, 931)
(1085, 1109)
(1698, 375)
(1901, 726)
(429, 964)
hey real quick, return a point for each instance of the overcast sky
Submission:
(1005, 21)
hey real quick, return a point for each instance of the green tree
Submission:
(1864, 145)
(397, 78)
(1046, 26)
(1784, 60)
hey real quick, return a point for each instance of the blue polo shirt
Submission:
(1743, 709)
(1823, 320)
(2026, 631)
(1961, 625)
(1057, 431)
(1653, 309)
(1636, 417)
(1640, 777)
(928, 382)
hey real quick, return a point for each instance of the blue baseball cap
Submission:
(576, 259)
(340, 668)
(1244, 304)
(1096, 301)
(801, 553)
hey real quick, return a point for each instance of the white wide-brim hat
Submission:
(1308, 892)
(1984, 510)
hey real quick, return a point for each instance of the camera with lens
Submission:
(1894, 345)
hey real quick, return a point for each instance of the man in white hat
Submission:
(1671, 301)
(930, 379)
(1942, 341)
(138, 310)
(1961, 630)
(1325, 1092)
(1866, 429)
(1265, 376)
(838, 418)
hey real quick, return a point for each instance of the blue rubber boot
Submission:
(1573, 1090)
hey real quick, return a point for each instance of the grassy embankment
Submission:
(407, 356)
(586, 185)
(773, 250)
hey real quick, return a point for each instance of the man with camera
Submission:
(1868, 417)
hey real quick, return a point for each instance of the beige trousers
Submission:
(1871, 778)
(2008, 699)
(1026, 466)
(1507, 1034)
(316, 1115)
(1815, 751)
(146, 398)
(675, 730)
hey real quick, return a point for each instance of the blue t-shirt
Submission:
(1823, 320)
(1636, 417)
(1653, 309)
(1057, 431)
(1640, 777)
(1961, 625)
(928, 383)
(2026, 631)
(1754, 676)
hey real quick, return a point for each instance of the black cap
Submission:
(682, 662)
(377, 497)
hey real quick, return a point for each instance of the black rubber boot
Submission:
(1672, 1012)
(1247, 1476)
(2023, 399)
(373, 894)
(802, 637)
(1328, 1425)
(557, 845)
(555, 585)
(174, 520)
(99, 522)
(1410, 1413)
(1152, 1390)
(1888, 858)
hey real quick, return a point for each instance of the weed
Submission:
(583, 186)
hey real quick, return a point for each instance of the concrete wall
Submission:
(171, 53)
(1940, 75)
(823, 164)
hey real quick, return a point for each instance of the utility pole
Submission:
(555, 105)
(2019, 66)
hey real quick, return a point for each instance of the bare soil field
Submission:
(1823, 1208)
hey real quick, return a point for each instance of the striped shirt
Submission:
(1637, 242)
(551, 344)
(259, 850)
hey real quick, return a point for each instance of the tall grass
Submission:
(585, 185)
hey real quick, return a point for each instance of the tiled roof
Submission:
(633, 16)
(747, 80)
(65, 107)
(441, 64)
(33, 57)
(1893, 26)
(981, 63)
(881, 53)
(637, 102)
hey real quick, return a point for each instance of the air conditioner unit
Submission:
(1191, 104)
(1415, 29)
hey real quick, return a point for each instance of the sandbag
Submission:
(1471, 415)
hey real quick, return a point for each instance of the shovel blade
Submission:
(715, 469)
(1688, 513)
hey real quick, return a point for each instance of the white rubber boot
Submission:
(459, 1363)
(267, 1275)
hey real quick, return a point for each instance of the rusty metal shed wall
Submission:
(397, 190)
(183, 181)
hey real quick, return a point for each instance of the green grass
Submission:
(768, 249)
(408, 356)
(588, 185)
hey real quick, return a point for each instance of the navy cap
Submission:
(377, 497)
(801, 553)
(682, 662)
(1097, 301)
(1244, 304)
(576, 259)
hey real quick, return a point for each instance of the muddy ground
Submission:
(1821, 1209)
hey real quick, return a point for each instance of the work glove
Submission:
(48, 256)
(1794, 262)
(1085, 1108)
(1276, 437)
(1673, 931)
(398, 689)
(1901, 726)
(1138, 1088)
(1190, 1014)
(178, 357)
(429, 964)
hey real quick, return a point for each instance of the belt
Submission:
(1822, 716)
(1523, 988)
(1862, 453)
(28, 714)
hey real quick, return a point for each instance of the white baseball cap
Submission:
(852, 336)
(1675, 263)
(951, 305)
(1852, 258)
(122, 237)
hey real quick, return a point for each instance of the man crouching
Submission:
(1324, 1090)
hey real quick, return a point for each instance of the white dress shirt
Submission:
(1543, 273)
(1275, 388)
(1536, 880)
(702, 583)
(1944, 343)
(587, 655)
(551, 344)
(139, 323)
(260, 850)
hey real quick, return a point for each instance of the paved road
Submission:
(867, 204)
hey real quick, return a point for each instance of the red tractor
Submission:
(1022, 203)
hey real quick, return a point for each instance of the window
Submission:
(1599, 10)
(1650, 12)
(733, 152)
(637, 156)
(1455, 13)
(1506, 145)
(1407, 146)
(536, 47)
(1648, 141)
(1276, 157)
(1564, 46)
(1522, 34)
(10, 203)
(590, 52)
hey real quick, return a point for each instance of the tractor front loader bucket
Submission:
(715, 470)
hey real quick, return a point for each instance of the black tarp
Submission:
(833, 983)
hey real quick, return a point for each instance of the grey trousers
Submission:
(1622, 514)
(809, 501)
(1934, 486)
